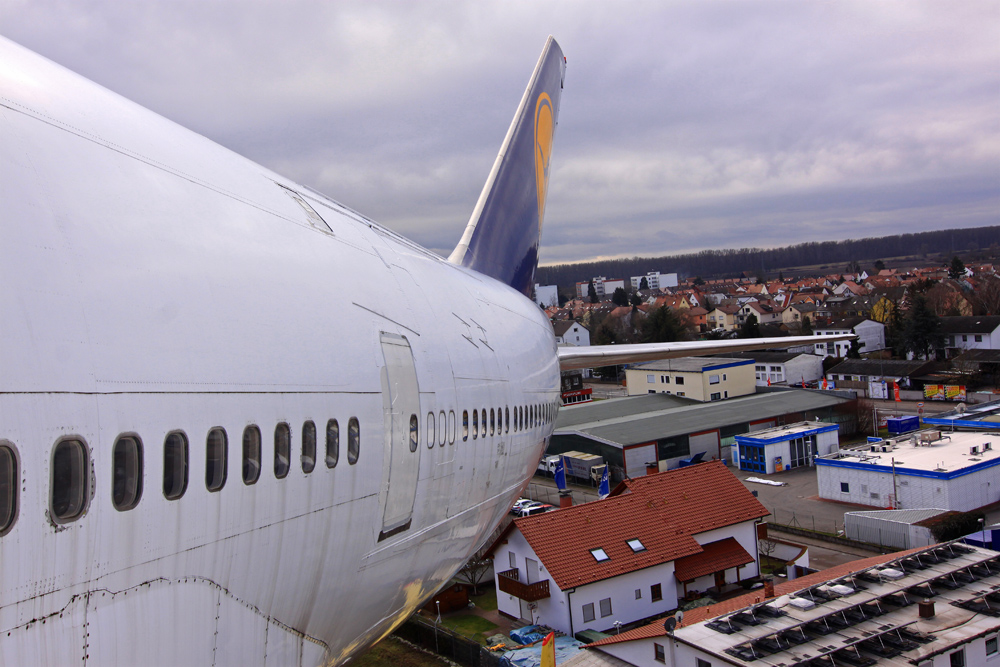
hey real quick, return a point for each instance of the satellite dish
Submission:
(679, 617)
(960, 408)
(669, 623)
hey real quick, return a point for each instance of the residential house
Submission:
(765, 312)
(793, 368)
(631, 556)
(970, 333)
(700, 378)
(723, 317)
(862, 374)
(863, 612)
(871, 336)
(571, 333)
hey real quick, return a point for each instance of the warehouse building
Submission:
(957, 471)
(657, 432)
(785, 447)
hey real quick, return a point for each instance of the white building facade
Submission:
(871, 337)
(785, 447)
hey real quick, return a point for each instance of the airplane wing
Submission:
(571, 357)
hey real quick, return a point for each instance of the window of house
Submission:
(70, 468)
(251, 454)
(353, 440)
(658, 653)
(414, 433)
(717, 396)
(9, 484)
(957, 659)
(965, 338)
(599, 554)
(588, 612)
(605, 607)
(513, 559)
(991, 645)
(638, 594)
(698, 662)
(636, 545)
(332, 443)
(979, 338)
(282, 450)
(126, 474)
(713, 379)
(175, 465)
(216, 450)
(681, 393)
(308, 447)
(656, 592)
(650, 379)
(678, 380)
(845, 487)
(431, 436)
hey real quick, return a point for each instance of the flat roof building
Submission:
(957, 471)
(700, 378)
(785, 447)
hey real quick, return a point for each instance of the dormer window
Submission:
(599, 555)
(636, 546)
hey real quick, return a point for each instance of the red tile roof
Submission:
(662, 510)
(699, 498)
(562, 539)
(716, 557)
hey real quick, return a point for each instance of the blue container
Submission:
(899, 425)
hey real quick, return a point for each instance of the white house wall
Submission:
(807, 367)
(624, 605)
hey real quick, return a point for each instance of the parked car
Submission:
(531, 510)
(521, 503)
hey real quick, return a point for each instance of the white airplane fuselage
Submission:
(154, 283)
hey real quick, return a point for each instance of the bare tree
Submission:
(474, 571)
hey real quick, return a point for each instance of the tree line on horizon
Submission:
(829, 256)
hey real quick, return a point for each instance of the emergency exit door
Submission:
(401, 457)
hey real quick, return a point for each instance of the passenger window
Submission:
(9, 484)
(126, 472)
(475, 424)
(175, 465)
(414, 433)
(482, 416)
(465, 425)
(251, 454)
(443, 435)
(430, 430)
(451, 427)
(353, 440)
(492, 420)
(332, 443)
(216, 450)
(70, 466)
(308, 447)
(506, 420)
(282, 450)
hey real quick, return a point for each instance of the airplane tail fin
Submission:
(501, 239)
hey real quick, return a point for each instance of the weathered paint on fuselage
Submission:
(152, 282)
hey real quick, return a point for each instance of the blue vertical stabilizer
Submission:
(501, 239)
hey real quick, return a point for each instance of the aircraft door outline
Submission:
(401, 426)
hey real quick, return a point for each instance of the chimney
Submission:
(768, 588)
(926, 608)
(565, 499)
(652, 468)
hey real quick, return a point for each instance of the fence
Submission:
(448, 644)
(804, 521)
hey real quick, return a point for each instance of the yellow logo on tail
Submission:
(543, 149)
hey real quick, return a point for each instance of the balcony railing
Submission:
(528, 592)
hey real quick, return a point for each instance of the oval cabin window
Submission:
(9, 484)
(332, 443)
(251, 454)
(216, 451)
(308, 447)
(282, 450)
(175, 465)
(126, 473)
(353, 440)
(70, 463)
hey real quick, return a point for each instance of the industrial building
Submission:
(785, 447)
(957, 471)
(662, 431)
(700, 378)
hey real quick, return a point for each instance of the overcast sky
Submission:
(684, 125)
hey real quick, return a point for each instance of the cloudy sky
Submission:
(684, 125)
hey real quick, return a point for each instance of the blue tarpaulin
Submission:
(531, 656)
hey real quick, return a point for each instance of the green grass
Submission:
(474, 627)
(390, 652)
(487, 601)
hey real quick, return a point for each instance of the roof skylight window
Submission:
(636, 546)
(599, 555)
